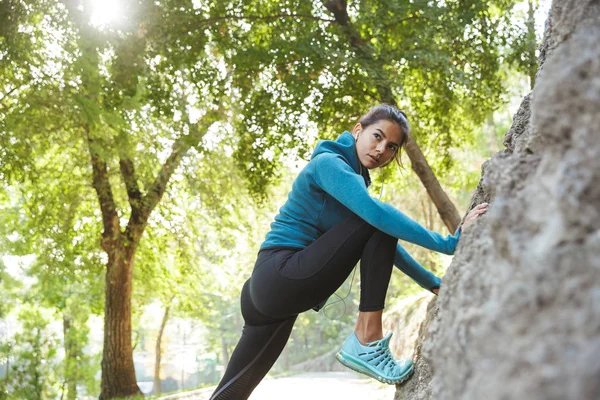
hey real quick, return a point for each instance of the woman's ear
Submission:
(356, 130)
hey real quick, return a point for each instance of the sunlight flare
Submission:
(105, 12)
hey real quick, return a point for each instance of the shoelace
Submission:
(389, 364)
(383, 355)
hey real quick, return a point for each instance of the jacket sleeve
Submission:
(405, 263)
(339, 180)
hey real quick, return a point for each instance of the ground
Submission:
(315, 386)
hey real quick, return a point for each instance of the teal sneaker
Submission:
(374, 360)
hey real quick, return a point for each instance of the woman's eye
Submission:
(377, 135)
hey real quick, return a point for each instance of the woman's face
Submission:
(377, 143)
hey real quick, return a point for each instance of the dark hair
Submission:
(392, 114)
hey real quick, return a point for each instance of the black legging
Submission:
(286, 282)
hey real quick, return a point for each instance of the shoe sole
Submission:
(356, 365)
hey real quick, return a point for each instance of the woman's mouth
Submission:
(376, 161)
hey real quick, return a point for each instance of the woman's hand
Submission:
(475, 213)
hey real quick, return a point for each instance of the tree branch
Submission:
(340, 13)
(110, 218)
(11, 91)
(339, 10)
(262, 18)
(133, 191)
(369, 61)
(158, 187)
(398, 22)
(360, 45)
(5, 95)
(127, 169)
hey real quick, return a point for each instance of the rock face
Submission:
(519, 310)
(418, 387)
(406, 320)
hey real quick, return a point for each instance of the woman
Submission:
(328, 223)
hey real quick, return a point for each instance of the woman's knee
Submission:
(249, 312)
(255, 309)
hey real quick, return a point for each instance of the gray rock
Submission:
(418, 387)
(519, 310)
(406, 320)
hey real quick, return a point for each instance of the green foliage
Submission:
(522, 51)
(34, 373)
(294, 59)
(10, 288)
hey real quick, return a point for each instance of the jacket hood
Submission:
(344, 146)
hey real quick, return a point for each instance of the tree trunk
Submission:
(286, 357)
(118, 373)
(157, 388)
(71, 353)
(531, 43)
(37, 379)
(444, 205)
(224, 352)
(421, 167)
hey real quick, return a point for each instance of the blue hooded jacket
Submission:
(331, 187)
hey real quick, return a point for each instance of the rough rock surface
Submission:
(405, 320)
(418, 387)
(519, 311)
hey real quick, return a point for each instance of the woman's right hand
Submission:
(475, 213)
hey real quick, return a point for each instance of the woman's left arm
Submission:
(338, 179)
(411, 267)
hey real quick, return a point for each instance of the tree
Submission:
(48, 219)
(158, 350)
(368, 60)
(85, 101)
(34, 376)
(85, 109)
(10, 289)
(327, 62)
(522, 53)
